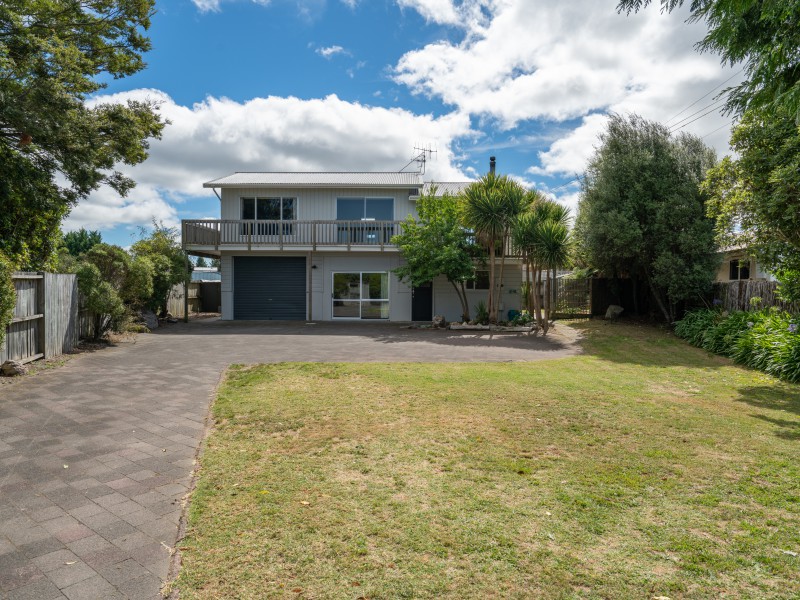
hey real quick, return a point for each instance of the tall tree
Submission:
(755, 198)
(435, 243)
(491, 205)
(55, 146)
(81, 241)
(542, 237)
(170, 263)
(762, 34)
(642, 213)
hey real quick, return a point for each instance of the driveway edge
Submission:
(169, 592)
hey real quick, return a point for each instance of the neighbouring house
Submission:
(318, 246)
(737, 265)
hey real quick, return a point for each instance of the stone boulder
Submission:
(12, 368)
(613, 312)
(149, 319)
(439, 321)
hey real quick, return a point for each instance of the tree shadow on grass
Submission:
(642, 343)
(784, 397)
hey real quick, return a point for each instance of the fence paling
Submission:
(45, 320)
(737, 295)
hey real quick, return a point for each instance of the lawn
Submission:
(643, 468)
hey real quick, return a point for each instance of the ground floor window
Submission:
(739, 269)
(362, 295)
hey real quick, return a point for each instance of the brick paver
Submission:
(96, 455)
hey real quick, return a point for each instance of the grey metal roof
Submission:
(445, 187)
(317, 179)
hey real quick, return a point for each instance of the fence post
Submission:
(41, 308)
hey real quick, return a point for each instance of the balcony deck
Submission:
(211, 236)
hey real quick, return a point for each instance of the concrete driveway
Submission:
(96, 455)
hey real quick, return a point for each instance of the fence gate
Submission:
(572, 298)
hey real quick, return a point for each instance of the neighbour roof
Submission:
(445, 187)
(317, 179)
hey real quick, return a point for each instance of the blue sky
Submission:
(357, 84)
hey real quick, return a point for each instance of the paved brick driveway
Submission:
(96, 455)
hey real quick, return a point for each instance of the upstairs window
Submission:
(365, 209)
(269, 209)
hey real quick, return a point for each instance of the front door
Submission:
(422, 302)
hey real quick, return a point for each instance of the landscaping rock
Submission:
(439, 321)
(149, 319)
(12, 368)
(614, 312)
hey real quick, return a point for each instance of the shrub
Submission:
(481, 313)
(768, 340)
(723, 336)
(695, 324)
(102, 300)
(8, 297)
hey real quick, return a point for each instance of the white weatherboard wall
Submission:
(446, 303)
(314, 204)
(322, 280)
(352, 262)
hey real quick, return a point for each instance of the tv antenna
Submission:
(421, 155)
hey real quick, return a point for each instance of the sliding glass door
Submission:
(362, 295)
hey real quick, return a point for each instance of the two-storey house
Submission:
(318, 246)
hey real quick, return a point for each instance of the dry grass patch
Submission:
(644, 467)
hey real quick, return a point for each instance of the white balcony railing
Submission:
(282, 234)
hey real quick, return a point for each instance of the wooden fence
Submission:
(204, 296)
(46, 320)
(737, 295)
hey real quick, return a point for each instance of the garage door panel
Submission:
(269, 288)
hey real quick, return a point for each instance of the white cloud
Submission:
(218, 136)
(555, 62)
(331, 51)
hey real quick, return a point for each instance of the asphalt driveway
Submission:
(96, 455)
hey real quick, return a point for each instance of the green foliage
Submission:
(754, 198)
(642, 213)
(8, 297)
(55, 146)
(169, 263)
(435, 243)
(201, 262)
(767, 340)
(30, 212)
(101, 300)
(491, 206)
(78, 242)
(481, 313)
(113, 284)
(765, 36)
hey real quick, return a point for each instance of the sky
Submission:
(358, 85)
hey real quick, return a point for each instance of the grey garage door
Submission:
(269, 288)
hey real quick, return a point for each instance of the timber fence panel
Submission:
(61, 313)
(737, 295)
(45, 319)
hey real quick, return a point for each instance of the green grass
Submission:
(643, 468)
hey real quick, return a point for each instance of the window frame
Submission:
(361, 299)
(267, 226)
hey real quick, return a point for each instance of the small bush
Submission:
(8, 297)
(723, 336)
(768, 340)
(695, 324)
(481, 313)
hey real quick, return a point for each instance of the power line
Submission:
(705, 95)
(677, 125)
(693, 120)
(728, 124)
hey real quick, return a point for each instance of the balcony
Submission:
(211, 236)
